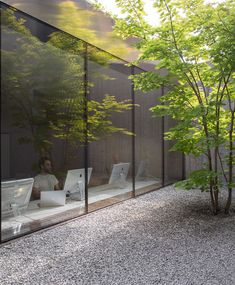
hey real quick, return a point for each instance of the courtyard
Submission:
(164, 237)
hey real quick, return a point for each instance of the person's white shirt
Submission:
(45, 182)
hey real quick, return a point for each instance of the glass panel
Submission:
(110, 120)
(42, 116)
(148, 142)
(81, 19)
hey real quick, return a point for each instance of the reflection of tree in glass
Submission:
(44, 83)
(74, 19)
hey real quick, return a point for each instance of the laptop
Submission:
(53, 198)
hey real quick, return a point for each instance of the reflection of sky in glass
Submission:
(79, 19)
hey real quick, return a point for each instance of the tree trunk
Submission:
(229, 200)
(215, 186)
(212, 199)
(216, 199)
(230, 178)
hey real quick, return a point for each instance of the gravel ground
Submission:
(164, 237)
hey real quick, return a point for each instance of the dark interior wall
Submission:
(16, 158)
(19, 160)
(148, 133)
(22, 157)
(116, 147)
(103, 153)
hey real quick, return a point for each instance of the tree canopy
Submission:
(195, 44)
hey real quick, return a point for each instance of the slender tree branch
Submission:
(139, 18)
(203, 86)
(196, 90)
(222, 167)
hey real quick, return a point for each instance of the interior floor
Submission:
(36, 217)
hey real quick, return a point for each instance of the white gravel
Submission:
(164, 237)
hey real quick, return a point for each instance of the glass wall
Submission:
(42, 124)
(110, 143)
(148, 142)
(72, 141)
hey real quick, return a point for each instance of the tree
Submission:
(195, 43)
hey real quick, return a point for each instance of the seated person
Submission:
(44, 181)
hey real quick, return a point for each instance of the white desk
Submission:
(72, 208)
